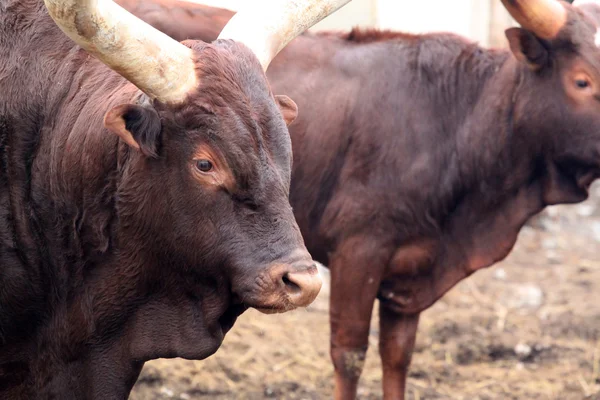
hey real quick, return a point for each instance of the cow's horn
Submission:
(160, 66)
(267, 30)
(544, 18)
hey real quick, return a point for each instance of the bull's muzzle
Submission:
(302, 284)
(294, 284)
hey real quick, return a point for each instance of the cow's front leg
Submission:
(356, 270)
(396, 343)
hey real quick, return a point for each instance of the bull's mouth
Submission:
(279, 309)
(230, 316)
(585, 179)
(580, 173)
(281, 287)
(238, 305)
(281, 305)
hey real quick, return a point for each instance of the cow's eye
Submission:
(582, 83)
(204, 165)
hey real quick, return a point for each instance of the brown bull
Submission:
(418, 158)
(143, 192)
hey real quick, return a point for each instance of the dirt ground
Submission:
(527, 328)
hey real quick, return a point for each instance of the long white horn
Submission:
(267, 30)
(160, 66)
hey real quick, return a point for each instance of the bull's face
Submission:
(207, 186)
(557, 97)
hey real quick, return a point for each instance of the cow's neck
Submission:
(498, 163)
(500, 183)
(490, 173)
(495, 191)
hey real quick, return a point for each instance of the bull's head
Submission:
(206, 160)
(557, 99)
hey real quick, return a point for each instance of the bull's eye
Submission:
(204, 165)
(582, 83)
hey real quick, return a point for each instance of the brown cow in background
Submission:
(144, 191)
(418, 158)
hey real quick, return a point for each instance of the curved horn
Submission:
(544, 18)
(278, 24)
(158, 65)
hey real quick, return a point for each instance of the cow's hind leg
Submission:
(396, 343)
(356, 270)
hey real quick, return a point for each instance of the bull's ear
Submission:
(288, 108)
(136, 125)
(527, 48)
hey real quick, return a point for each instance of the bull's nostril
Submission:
(298, 283)
(290, 285)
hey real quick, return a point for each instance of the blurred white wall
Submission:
(356, 13)
(460, 16)
(480, 20)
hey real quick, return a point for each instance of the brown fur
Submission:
(418, 158)
(109, 255)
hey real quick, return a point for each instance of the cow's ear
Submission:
(136, 125)
(288, 108)
(527, 48)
